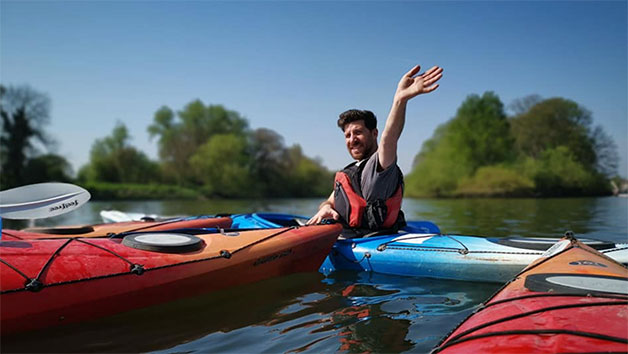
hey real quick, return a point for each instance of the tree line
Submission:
(210, 149)
(548, 147)
(204, 150)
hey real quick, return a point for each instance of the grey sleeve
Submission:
(382, 184)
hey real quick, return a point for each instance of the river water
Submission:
(345, 312)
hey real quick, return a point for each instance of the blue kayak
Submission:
(420, 249)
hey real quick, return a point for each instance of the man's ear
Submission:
(375, 133)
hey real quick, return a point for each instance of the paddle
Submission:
(41, 200)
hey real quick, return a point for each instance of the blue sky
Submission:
(293, 66)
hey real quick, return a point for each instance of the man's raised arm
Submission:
(410, 85)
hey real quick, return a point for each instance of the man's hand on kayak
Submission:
(324, 212)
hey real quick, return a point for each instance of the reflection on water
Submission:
(349, 312)
(353, 312)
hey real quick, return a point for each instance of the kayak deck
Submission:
(54, 281)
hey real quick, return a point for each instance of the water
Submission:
(346, 312)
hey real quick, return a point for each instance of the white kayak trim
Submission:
(578, 281)
(111, 216)
(415, 239)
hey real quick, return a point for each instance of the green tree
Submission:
(479, 135)
(112, 159)
(559, 173)
(306, 177)
(24, 112)
(572, 157)
(270, 163)
(181, 135)
(555, 122)
(46, 168)
(222, 165)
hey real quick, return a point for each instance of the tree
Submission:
(559, 122)
(479, 135)
(24, 114)
(112, 159)
(552, 123)
(179, 139)
(46, 168)
(222, 165)
(269, 161)
(605, 148)
(306, 177)
(522, 105)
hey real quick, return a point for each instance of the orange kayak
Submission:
(110, 229)
(573, 299)
(48, 282)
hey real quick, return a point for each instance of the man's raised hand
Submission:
(412, 85)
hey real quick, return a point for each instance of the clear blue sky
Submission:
(293, 66)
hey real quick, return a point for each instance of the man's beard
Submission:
(364, 151)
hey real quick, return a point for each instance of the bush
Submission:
(560, 174)
(495, 181)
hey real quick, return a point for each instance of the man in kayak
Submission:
(367, 193)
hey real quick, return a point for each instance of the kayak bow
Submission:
(573, 299)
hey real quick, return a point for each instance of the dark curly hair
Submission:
(352, 115)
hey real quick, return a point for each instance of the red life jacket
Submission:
(356, 211)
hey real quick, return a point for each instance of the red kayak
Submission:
(109, 229)
(55, 281)
(572, 300)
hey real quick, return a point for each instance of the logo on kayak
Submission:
(272, 257)
(64, 206)
(588, 263)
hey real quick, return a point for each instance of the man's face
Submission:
(361, 142)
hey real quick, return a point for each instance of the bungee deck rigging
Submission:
(51, 281)
(524, 317)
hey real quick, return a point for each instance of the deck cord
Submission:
(569, 235)
(529, 313)
(37, 285)
(535, 331)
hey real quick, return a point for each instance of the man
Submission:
(367, 193)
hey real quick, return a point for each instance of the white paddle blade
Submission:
(41, 200)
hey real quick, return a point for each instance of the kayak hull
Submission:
(421, 250)
(85, 280)
(555, 306)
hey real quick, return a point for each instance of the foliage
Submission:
(548, 148)
(222, 165)
(495, 181)
(212, 148)
(269, 161)
(306, 177)
(285, 172)
(552, 123)
(47, 168)
(113, 160)
(477, 136)
(24, 114)
(179, 139)
(559, 173)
